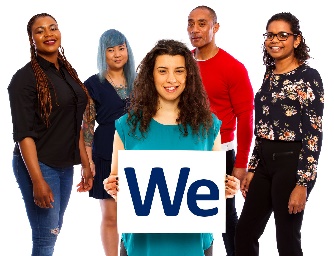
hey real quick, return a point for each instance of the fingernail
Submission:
(116, 178)
(116, 183)
(226, 181)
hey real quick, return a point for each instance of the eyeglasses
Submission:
(281, 36)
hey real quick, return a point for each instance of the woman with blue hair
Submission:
(110, 90)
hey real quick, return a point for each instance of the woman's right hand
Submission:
(42, 193)
(43, 196)
(111, 185)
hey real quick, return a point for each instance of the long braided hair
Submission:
(42, 81)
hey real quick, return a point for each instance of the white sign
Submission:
(171, 191)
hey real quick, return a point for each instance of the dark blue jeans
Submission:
(231, 212)
(45, 223)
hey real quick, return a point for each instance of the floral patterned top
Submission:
(289, 107)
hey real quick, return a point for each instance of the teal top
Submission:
(166, 137)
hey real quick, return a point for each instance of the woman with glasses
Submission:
(288, 129)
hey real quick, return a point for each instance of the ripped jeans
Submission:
(45, 223)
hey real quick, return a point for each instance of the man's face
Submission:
(201, 28)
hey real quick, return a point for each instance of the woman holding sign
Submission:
(169, 110)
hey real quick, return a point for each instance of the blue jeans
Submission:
(45, 223)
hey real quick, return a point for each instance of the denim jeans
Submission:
(45, 223)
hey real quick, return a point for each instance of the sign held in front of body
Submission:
(171, 191)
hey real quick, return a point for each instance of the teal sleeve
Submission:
(120, 127)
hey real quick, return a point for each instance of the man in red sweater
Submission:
(231, 98)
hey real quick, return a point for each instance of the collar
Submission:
(45, 64)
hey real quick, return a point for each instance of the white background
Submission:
(143, 23)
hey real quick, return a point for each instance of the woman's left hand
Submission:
(86, 182)
(297, 200)
(232, 186)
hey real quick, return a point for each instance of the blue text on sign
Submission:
(157, 178)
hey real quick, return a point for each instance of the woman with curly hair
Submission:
(288, 128)
(47, 101)
(168, 110)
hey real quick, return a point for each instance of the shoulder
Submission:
(309, 80)
(309, 76)
(24, 77)
(227, 56)
(122, 120)
(231, 64)
(122, 126)
(216, 122)
(26, 69)
(92, 79)
(310, 72)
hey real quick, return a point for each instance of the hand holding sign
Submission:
(232, 186)
(111, 186)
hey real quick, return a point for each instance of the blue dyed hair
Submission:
(112, 38)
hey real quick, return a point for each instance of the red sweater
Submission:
(232, 99)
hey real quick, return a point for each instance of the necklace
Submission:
(120, 89)
(114, 84)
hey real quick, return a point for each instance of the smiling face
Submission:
(169, 77)
(46, 37)
(117, 56)
(201, 27)
(281, 50)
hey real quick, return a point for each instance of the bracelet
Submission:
(90, 163)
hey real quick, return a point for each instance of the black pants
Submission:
(269, 191)
(231, 212)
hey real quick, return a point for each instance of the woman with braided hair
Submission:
(47, 101)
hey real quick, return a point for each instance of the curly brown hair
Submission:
(42, 81)
(193, 105)
(301, 52)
